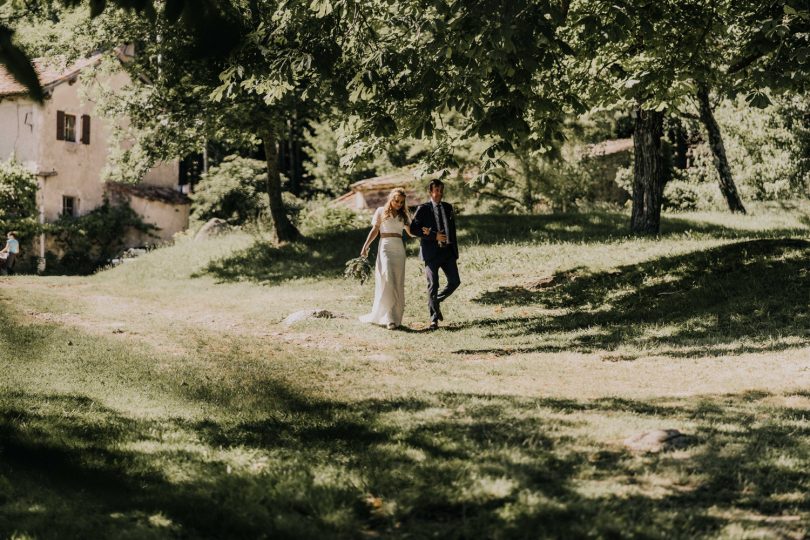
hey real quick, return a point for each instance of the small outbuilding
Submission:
(372, 193)
(155, 204)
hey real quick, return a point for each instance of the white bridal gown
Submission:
(389, 275)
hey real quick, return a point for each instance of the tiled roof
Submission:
(614, 146)
(388, 181)
(373, 192)
(50, 72)
(148, 192)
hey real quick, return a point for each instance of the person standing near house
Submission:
(9, 253)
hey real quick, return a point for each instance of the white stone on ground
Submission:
(657, 440)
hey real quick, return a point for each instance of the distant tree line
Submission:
(508, 73)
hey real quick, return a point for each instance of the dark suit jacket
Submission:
(429, 249)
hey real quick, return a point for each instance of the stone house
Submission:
(66, 144)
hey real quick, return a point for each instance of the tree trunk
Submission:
(284, 229)
(649, 176)
(727, 185)
(528, 177)
(680, 143)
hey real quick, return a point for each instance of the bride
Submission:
(389, 276)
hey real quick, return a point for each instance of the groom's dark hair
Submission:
(435, 183)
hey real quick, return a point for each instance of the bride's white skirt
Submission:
(389, 284)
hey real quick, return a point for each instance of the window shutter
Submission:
(60, 125)
(85, 129)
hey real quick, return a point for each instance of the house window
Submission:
(70, 127)
(69, 206)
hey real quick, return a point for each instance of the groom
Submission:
(438, 248)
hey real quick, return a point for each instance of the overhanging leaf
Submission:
(758, 99)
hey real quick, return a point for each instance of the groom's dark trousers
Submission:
(437, 256)
(447, 264)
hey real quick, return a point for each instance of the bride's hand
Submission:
(426, 231)
(364, 253)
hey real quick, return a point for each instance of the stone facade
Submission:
(66, 145)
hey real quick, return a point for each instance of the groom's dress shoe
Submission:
(439, 314)
(434, 325)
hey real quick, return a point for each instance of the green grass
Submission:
(165, 398)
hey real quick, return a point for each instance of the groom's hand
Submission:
(426, 231)
(441, 237)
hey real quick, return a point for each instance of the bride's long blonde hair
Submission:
(402, 213)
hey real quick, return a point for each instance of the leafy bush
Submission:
(321, 217)
(328, 166)
(697, 187)
(761, 150)
(624, 178)
(681, 195)
(294, 206)
(795, 113)
(323, 168)
(18, 191)
(234, 191)
(90, 241)
(566, 184)
(18, 206)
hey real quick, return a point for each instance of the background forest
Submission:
(306, 98)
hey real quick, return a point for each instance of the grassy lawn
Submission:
(166, 397)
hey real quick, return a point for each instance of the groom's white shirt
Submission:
(441, 218)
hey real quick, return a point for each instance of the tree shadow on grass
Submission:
(439, 465)
(321, 256)
(590, 227)
(702, 302)
(18, 339)
(325, 255)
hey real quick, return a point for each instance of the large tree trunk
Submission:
(284, 229)
(649, 175)
(527, 195)
(727, 185)
(680, 143)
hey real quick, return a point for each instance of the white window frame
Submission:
(73, 132)
(74, 205)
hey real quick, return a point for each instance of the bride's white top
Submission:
(389, 224)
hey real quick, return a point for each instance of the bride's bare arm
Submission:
(425, 232)
(372, 234)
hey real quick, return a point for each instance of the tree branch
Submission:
(744, 62)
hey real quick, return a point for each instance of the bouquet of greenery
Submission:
(359, 269)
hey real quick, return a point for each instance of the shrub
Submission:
(680, 195)
(18, 191)
(795, 113)
(234, 191)
(90, 241)
(760, 146)
(331, 172)
(321, 217)
(294, 206)
(18, 207)
(566, 184)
